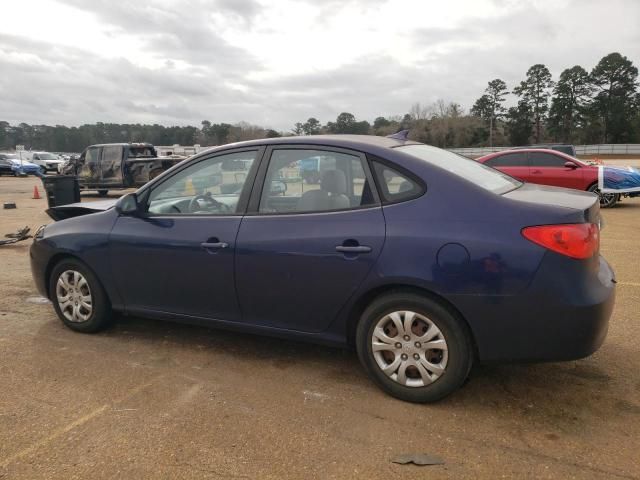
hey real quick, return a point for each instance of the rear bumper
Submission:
(564, 315)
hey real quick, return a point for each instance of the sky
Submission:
(277, 62)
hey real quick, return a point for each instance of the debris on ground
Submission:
(417, 459)
(20, 235)
(37, 300)
(9, 205)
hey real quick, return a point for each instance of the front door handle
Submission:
(214, 245)
(536, 171)
(353, 249)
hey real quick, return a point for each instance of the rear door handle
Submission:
(354, 249)
(214, 245)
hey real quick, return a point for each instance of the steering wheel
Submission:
(200, 202)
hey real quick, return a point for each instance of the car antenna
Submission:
(401, 135)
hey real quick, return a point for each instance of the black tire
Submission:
(607, 200)
(100, 316)
(103, 193)
(460, 350)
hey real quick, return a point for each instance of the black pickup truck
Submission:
(111, 166)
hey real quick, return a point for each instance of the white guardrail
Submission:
(603, 149)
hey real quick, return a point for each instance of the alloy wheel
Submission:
(74, 296)
(606, 199)
(409, 348)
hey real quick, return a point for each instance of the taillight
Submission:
(575, 240)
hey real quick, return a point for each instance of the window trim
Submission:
(243, 200)
(403, 171)
(256, 194)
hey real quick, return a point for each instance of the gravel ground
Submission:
(159, 400)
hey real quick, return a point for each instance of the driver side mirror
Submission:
(570, 165)
(128, 205)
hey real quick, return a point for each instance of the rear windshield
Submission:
(481, 175)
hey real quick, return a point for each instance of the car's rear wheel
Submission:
(413, 347)
(607, 200)
(78, 297)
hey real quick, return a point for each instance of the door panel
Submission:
(160, 264)
(521, 173)
(548, 169)
(179, 256)
(296, 270)
(289, 273)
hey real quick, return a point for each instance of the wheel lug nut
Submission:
(418, 345)
(404, 356)
(398, 345)
(407, 337)
(416, 356)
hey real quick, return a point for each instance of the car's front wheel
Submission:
(78, 297)
(607, 200)
(413, 347)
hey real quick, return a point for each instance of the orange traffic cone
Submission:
(36, 193)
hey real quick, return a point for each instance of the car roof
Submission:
(356, 142)
(122, 144)
(538, 146)
(530, 150)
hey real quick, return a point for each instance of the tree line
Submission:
(600, 106)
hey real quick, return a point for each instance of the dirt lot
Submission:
(160, 400)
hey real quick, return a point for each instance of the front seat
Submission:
(330, 196)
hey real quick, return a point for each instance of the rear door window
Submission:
(305, 181)
(518, 159)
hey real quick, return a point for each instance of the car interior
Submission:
(299, 181)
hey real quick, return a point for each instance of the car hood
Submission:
(78, 209)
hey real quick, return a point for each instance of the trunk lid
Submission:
(585, 204)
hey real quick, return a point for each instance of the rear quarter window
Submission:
(395, 186)
(470, 170)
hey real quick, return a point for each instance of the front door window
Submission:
(210, 187)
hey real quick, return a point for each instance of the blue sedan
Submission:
(422, 260)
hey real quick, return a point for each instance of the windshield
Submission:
(477, 173)
(48, 156)
(9, 156)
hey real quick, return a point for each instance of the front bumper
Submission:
(564, 315)
(39, 259)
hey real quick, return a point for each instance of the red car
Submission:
(549, 167)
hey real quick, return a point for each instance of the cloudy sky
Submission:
(276, 62)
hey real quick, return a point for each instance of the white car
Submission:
(48, 162)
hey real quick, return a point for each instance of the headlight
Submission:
(39, 233)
